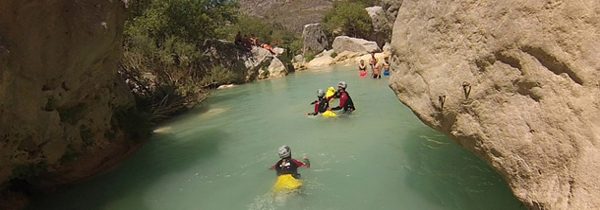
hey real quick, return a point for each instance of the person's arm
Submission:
(304, 163)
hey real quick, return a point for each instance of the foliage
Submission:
(348, 18)
(188, 20)
(272, 33)
(163, 59)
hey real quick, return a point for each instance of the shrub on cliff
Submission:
(163, 60)
(348, 18)
(272, 33)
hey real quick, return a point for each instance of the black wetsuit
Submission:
(288, 166)
(321, 105)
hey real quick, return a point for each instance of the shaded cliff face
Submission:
(58, 89)
(532, 69)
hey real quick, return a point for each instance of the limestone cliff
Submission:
(514, 81)
(59, 91)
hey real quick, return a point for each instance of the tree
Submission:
(348, 18)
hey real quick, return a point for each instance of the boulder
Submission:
(298, 63)
(277, 69)
(391, 8)
(346, 57)
(514, 81)
(278, 50)
(380, 20)
(314, 38)
(321, 60)
(345, 43)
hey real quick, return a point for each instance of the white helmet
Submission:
(284, 152)
(342, 84)
(320, 93)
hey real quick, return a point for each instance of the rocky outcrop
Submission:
(314, 39)
(321, 60)
(262, 65)
(380, 20)
(381, 24)
(62, 105)
(248, 65)
(514, 81)
(277, 69)
(345, 43)
(391, 8)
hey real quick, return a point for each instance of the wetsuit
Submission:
(321, 105)
(289, 166)
(346, 102)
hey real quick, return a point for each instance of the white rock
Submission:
(345, 43)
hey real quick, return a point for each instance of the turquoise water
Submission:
(217, 157)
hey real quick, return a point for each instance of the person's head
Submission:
(362, 62)
(342, 85)
(284, 152)
(320, 93)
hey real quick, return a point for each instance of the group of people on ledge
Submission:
(247, 42)
(322, 103)
(376, 67)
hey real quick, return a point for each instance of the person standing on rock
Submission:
(362, 69)
(346, 102)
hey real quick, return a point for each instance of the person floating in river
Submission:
(288, 165)
(287, 171)
(321, 104)
(346, 102)
(362, 68)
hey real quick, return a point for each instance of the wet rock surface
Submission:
(516, 82)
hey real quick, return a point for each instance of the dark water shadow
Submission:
(453, 178)
(161, 157)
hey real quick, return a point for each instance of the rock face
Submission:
(345, 43)
(314, 37)
(262, 65)
(514, 81)
(323, 59)
(379, 19)
(277, 69)
(60, 96)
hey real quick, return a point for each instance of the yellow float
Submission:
(286, 183)
(329, 114)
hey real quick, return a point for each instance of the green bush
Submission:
(163, 59)
(348, 18)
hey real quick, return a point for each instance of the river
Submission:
(217, 156)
